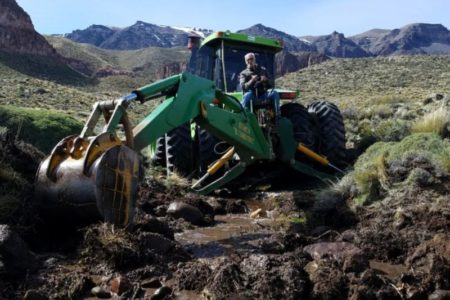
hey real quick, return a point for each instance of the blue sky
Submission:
(296, 17)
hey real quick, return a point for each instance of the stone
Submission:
(258, 213)
(218, 206)
(156, 242)
(100, 292)
(120, 285)
(16, 256)
(161, 293)
(347, 254)
(187, 212)
(152, 283)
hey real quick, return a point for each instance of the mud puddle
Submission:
(232, 233)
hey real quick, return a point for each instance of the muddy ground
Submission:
(257, 244)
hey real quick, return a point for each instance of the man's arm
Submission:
(247, 81)
(242, 78)
(266, 79)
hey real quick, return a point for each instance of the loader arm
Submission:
(196, 98)
(89, 176)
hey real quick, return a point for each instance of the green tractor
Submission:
(90, 176)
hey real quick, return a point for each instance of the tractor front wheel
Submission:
(175, 150)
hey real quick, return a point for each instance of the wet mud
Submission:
(255, 244)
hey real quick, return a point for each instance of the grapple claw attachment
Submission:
(89, 179)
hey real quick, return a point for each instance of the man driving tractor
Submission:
(256, 84)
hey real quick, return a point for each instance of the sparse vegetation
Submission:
(365, 82)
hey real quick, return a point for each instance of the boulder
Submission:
(187, 212)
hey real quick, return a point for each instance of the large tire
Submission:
(302, 122)
(175, 150)
(331, 131)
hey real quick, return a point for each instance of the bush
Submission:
(41, 128)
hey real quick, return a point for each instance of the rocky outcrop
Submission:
(291, 43)
(17, 33)
(170, 69)
(415, 38)
(367, 39)
(286, 62)
(109, 71)
(337, 45)
(94, 34)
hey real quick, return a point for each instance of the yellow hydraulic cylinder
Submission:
(216, 166)
(317, 157)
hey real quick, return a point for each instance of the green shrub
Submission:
(391, 130)
(41, 128)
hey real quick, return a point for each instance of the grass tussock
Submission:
(419, 159)
(434, 122)
(175, 181)
(113, 245)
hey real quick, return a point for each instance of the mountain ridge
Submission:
(414, 38)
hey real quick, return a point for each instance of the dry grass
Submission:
(175, 180)
(435, 122)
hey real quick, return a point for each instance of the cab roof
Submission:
(273, 44)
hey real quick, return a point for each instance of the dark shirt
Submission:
(259, 86)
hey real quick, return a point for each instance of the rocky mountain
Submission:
(286, 62)
(337, 45)
(94, 34)
(137, 36)
(366, 39)
(410, 39)
(418, 38)
(291, 43)
(17, 32)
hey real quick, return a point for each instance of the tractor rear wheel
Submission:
(302, 123)
(175, 150)
(331, 131)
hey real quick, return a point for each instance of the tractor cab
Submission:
(220, 58)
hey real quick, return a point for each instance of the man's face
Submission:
(250, 61)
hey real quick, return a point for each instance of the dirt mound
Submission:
(19, 162)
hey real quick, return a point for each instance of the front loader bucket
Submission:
(89, 179)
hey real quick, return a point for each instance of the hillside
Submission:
(363, 80)
(149, 63)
